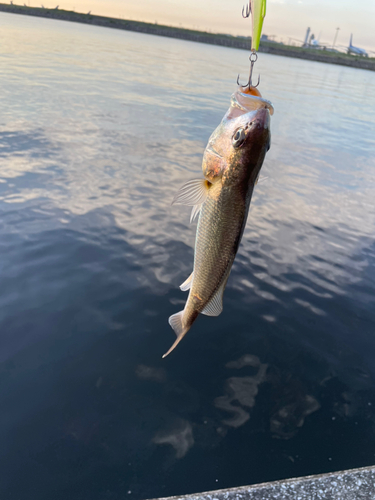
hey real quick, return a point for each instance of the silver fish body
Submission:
(231, 165)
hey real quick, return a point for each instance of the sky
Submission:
(285, 18)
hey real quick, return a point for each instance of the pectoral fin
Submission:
(194, 194)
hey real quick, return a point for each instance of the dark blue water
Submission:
(98, 128)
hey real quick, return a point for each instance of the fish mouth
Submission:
(242, 103)
(251, 103)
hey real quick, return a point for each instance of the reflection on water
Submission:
(242, 390)
(149, 373)
(286, 421)
(180, 437)
(98, 129)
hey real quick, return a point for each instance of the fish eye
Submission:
(238, 138)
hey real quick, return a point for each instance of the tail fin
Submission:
(351, 40)
(176, 323)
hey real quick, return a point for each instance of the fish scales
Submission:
(218, 232)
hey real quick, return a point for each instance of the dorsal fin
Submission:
(215, 306)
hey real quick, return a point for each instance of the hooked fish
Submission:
(231, 164)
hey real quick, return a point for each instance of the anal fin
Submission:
(186, 285)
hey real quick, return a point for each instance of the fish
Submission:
(231, 165)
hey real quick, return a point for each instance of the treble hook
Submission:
(253, 59)
(248, 10)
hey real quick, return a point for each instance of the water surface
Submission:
(98, 128)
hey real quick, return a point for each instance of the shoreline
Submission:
(195, 36)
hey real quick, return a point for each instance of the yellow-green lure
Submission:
(258, 13)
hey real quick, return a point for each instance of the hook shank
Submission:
(253, 58)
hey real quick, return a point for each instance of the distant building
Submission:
(268, 38)
(306, 42)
